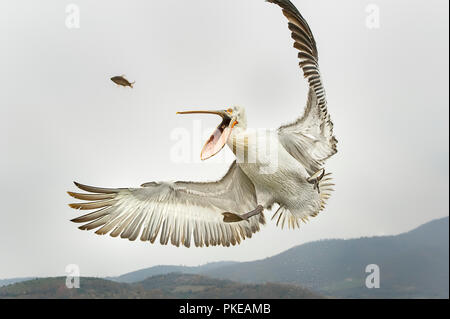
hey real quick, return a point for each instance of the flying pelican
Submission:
(229, 210)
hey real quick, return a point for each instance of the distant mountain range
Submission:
(6, 282)
(142, 274)
(412, 265)
(163, 286)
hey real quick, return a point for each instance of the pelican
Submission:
(229, 210)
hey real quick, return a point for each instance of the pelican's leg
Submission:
(316, 178)
(234, 218)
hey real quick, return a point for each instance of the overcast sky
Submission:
(62, 119)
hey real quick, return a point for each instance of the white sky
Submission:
(61, 119)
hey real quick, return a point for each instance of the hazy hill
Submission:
(5, 282)
(196, 286)
(90, 288)
(413, 265)
(162, 270)
(163, 286)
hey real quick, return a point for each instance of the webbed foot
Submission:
(235, 218)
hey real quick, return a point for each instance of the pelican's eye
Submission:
(230, 111)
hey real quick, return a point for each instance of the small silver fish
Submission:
(121, 80)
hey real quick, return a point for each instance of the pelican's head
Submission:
(232, 118)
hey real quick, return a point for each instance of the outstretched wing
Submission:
(177, 211)
(310, 139)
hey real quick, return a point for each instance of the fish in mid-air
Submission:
(122, 81)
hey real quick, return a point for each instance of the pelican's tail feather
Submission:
(284, 216)
(326, 188)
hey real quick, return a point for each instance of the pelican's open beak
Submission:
(220, 135)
